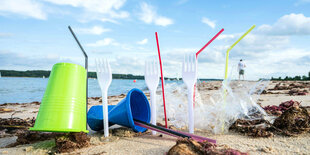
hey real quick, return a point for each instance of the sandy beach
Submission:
(274, 94)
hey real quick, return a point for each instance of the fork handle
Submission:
(153, 108)
(105, 113)
(190, 96)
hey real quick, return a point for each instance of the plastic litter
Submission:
(209, 112)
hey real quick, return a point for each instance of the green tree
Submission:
(304, 77)
(297, 78)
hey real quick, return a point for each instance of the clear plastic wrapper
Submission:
(214, 110)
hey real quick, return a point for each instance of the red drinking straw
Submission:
(162, 79)
(209, 42)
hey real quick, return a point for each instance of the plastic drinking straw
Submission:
(207, 44)
(227, 52)
(162, 79)
(226, 65)
(86, 66)
(138, 122)
(172, 132)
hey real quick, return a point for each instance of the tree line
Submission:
(41, 73)
(296, 78)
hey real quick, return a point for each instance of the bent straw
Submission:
(162, 80)
(86, 66)
(207, 44)
(227, 52)
(226, 65)
(173, 132)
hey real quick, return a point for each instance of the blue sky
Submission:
(34, 34)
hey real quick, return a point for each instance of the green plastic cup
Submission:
(63, 107)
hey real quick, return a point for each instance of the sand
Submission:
(148, 144)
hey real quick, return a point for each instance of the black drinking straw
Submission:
(163, 129)
(86, 67)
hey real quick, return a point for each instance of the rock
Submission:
(192, 147)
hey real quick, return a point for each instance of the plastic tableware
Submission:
(189, 76)
(134, 106)
(151, 77)
(104, 76)
(63, 105)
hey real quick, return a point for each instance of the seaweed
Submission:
(278, 110)
(30, 137)
(292, 120)
(253, 128)
(14, 126)
(71, 141)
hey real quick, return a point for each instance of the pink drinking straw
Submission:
(162, 80)
(209, 42)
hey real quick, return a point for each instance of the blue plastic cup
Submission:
(134, 106)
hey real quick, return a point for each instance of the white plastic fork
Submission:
(189, 76)
(151, 76)
(104, 76)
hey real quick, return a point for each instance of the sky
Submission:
(34, 35)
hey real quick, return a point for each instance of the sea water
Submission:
(24, 90)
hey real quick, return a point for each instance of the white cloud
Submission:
(265, 56)
(225, 36)
(292, 24)
(21, 61)
(300, 2)
(108, 20)
(149, 15)
(5, 35)
(104, 42)
(25, 8)
(142, 42)
(96, 30)
(96, 9)
(163, 21)
(208, 22)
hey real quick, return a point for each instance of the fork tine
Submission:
(188, 63)
(150, 67)
(109, 67)
(183, 64)
(193, 61)
(145, 68)
(156, 67)
(96, 63)
(99, 65)
(153, 67)
(104, 65)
